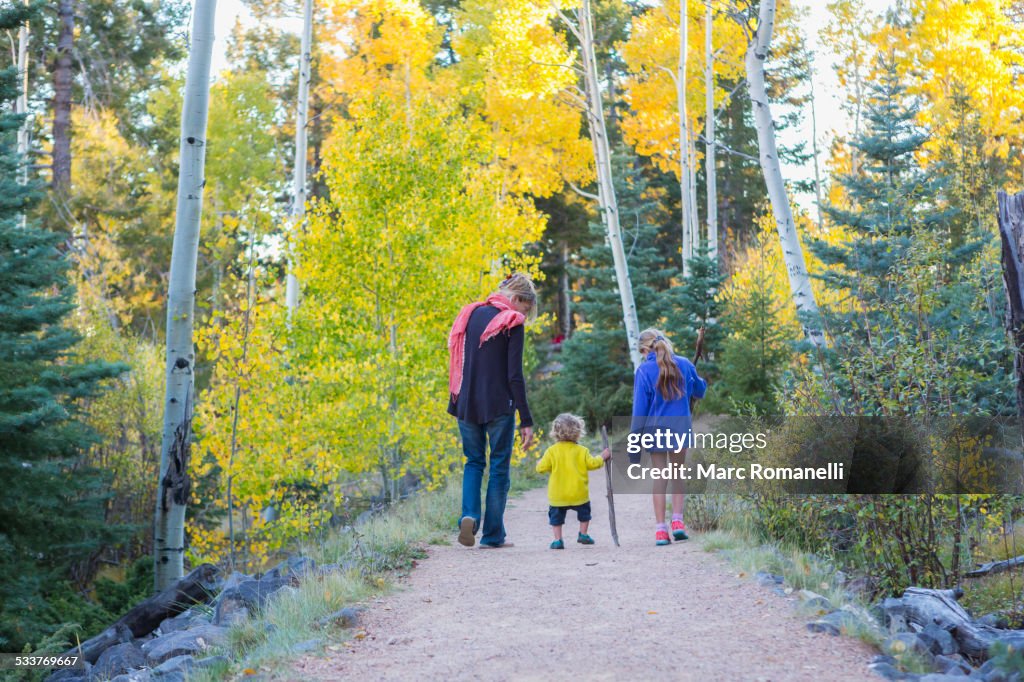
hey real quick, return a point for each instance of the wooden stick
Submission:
(697, 355)
(610, 494)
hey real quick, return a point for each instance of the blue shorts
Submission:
(556, 515)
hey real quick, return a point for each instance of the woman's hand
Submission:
(526, 434)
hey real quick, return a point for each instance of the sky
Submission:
(831, 118)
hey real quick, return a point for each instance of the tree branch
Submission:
(581, 192)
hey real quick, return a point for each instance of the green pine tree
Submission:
(915, 333)
(696, 303)
(51, 511)
(596, 377)
(891, 199)
(755, 354)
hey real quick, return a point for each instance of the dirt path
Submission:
(585, 613)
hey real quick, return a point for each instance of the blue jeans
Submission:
(500, 432)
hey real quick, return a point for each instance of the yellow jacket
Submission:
(568, 463)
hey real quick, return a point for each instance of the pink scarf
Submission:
(505, 320)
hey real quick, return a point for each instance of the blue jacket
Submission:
(651, 410)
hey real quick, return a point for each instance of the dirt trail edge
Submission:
(585, 613)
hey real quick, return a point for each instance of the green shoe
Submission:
(585, 539)
(557, 544)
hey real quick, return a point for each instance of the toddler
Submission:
(569, 464)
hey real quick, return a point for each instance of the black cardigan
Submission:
(492, 375)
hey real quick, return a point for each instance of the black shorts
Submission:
(556, 515)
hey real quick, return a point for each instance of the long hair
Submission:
(670, 379)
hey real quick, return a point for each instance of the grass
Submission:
(736, 540)
(373, 555)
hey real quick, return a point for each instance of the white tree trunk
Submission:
(173, 490)
(606, 190)
(792, 252)
(298, 209)
(710, 171)
(685, 158)
(814, 151)
(21, 107)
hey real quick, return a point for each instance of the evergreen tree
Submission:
(890, 199)
(596, 379)
(695, 303)
(51, 512)
(915, 332)
(755, 353)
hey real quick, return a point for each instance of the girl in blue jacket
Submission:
(662, 388)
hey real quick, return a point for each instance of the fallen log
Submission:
(996, 567)
(197, 587)
(940, 607)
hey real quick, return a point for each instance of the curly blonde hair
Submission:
(568, 427)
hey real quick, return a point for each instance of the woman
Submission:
(487, 387)
(662, 388)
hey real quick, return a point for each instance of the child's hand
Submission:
(606, 454)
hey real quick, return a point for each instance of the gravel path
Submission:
(585, 613)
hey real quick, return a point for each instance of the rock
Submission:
(887, 671)
(948, 664)
(229, 612)
(822, 626)
(844, 619)
(307, 645)
(1014, 638)
(814, 601)
(235, 579)
(839, 578)
(883, 658)
(119, 659)
(987, 667)
(132, 676)
(903, 642)
(939, 640)
(286, 590)
(176, 669)
(995, 620)
(766, 579)
(71, 674)
(252, 594)
(182, 621)
(347, 617)
(293, 567)
(184, 642)
(940, 677)
(212, 662)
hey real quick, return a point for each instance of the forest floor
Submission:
(588, 612)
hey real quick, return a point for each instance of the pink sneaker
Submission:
(661, 538)
(679, 531)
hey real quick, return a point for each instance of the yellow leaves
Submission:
(519, 70)
(652, 56)
(969, 50)
(381, 48)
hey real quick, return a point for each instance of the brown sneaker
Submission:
(467, 534)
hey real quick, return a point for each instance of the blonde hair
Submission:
(520, 286)
(670, 379)
(568, 427)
